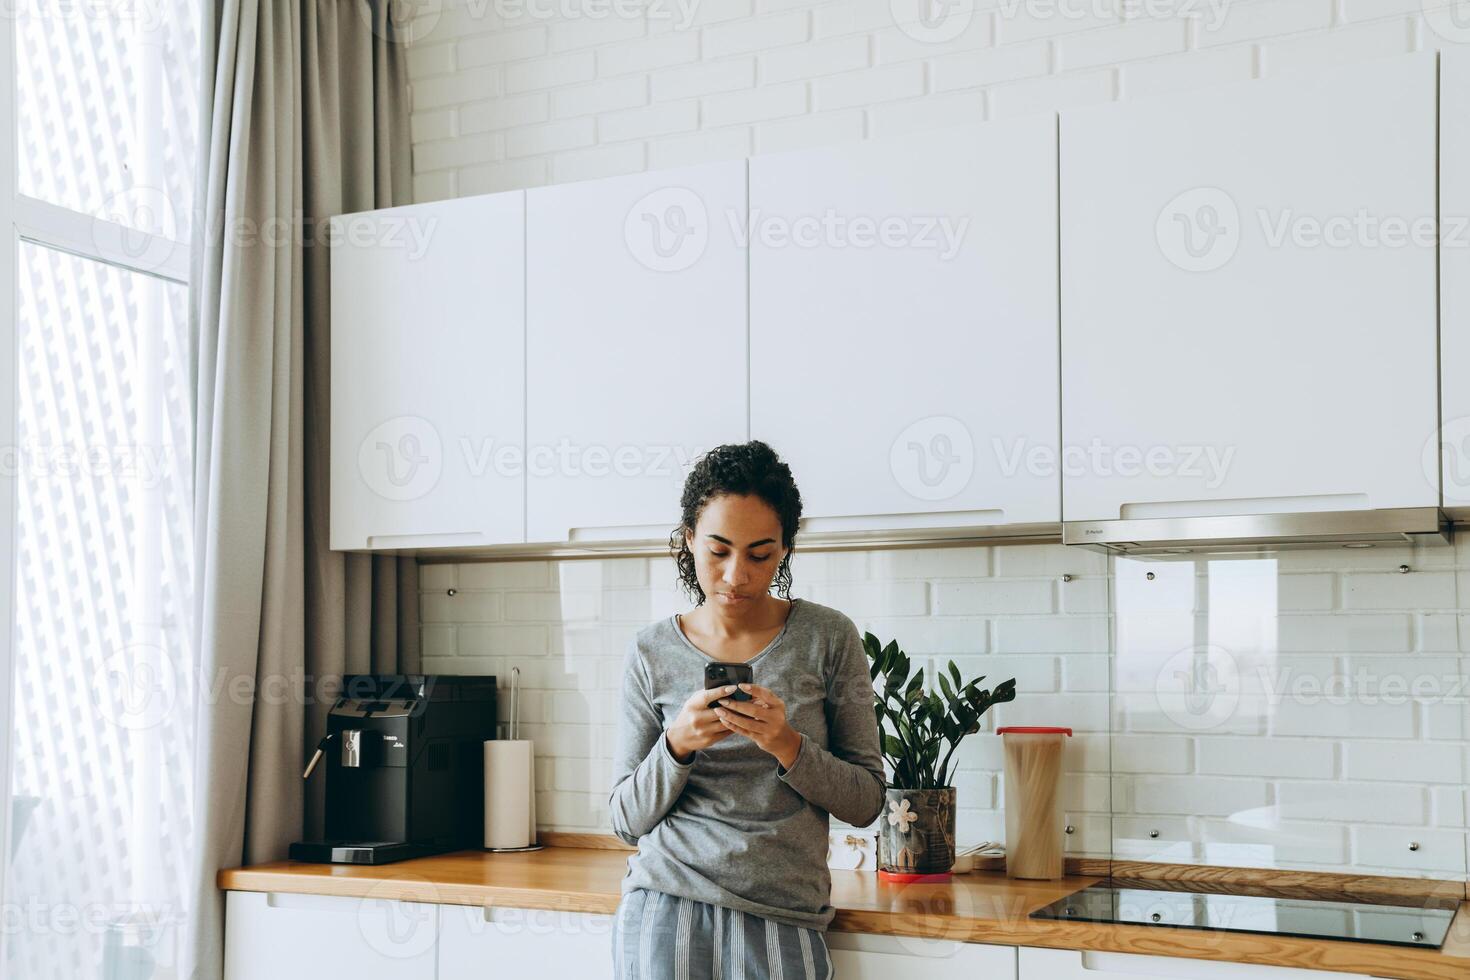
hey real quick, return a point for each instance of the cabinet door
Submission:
(635, 349)
(1249, 297)
(1074, 964)
(522, 943)
(1451, 451)
(428, 375)
(269, 936)
(860, 956)
(903, 335)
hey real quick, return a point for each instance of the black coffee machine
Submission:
(405, 762)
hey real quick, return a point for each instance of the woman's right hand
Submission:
(697, 726)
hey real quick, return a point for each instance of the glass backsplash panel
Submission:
(1305, 710)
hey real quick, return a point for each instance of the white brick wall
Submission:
(521, 93)
(566, 624)
(1341, 735)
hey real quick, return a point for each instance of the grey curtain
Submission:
(305, 106)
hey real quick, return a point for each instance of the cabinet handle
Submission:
(620, 532)
(316, 903)
(1128, 966)
(1244, 506)
(451, 540)
(890, 522)
(330, 903)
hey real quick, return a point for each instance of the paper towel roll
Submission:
(510, 793)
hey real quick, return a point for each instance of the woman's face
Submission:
(737, 548)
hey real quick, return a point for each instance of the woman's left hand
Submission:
(763, 720)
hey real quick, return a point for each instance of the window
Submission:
(100, 665)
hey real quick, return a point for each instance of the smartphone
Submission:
(721, 674)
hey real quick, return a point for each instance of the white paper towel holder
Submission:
(536, 845)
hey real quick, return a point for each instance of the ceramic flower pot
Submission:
(916, 831)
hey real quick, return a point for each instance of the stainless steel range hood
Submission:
(1178, 537)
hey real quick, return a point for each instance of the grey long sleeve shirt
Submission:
(733, 827)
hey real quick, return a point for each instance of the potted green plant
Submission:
(916, 830)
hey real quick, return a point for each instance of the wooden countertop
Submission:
(983, 906)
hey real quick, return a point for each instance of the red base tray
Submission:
(906, 879)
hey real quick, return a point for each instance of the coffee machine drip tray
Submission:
(358, 852)
(1398, 920)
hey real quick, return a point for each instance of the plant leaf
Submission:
(916, 684)
(919, 730)
(945, 687)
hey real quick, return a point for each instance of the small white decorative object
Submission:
(900, 816)
(851, 850)
(969, 858)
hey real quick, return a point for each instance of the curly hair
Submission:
(744, 469)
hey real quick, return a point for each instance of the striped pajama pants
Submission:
(665, 937)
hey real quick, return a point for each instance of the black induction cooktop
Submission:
(1401, 922)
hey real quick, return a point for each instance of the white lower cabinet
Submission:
(271, 936)
(860, 956)
(475, 942)
(1077, 964)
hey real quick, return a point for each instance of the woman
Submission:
(728, 805)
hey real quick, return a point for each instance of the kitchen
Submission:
(1091, 371)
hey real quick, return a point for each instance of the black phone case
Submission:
(713, 679)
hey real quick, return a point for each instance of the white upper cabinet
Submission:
(635, 350)
(428, 375)
(903, 334)
(1453, 447)
(1249, 297)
